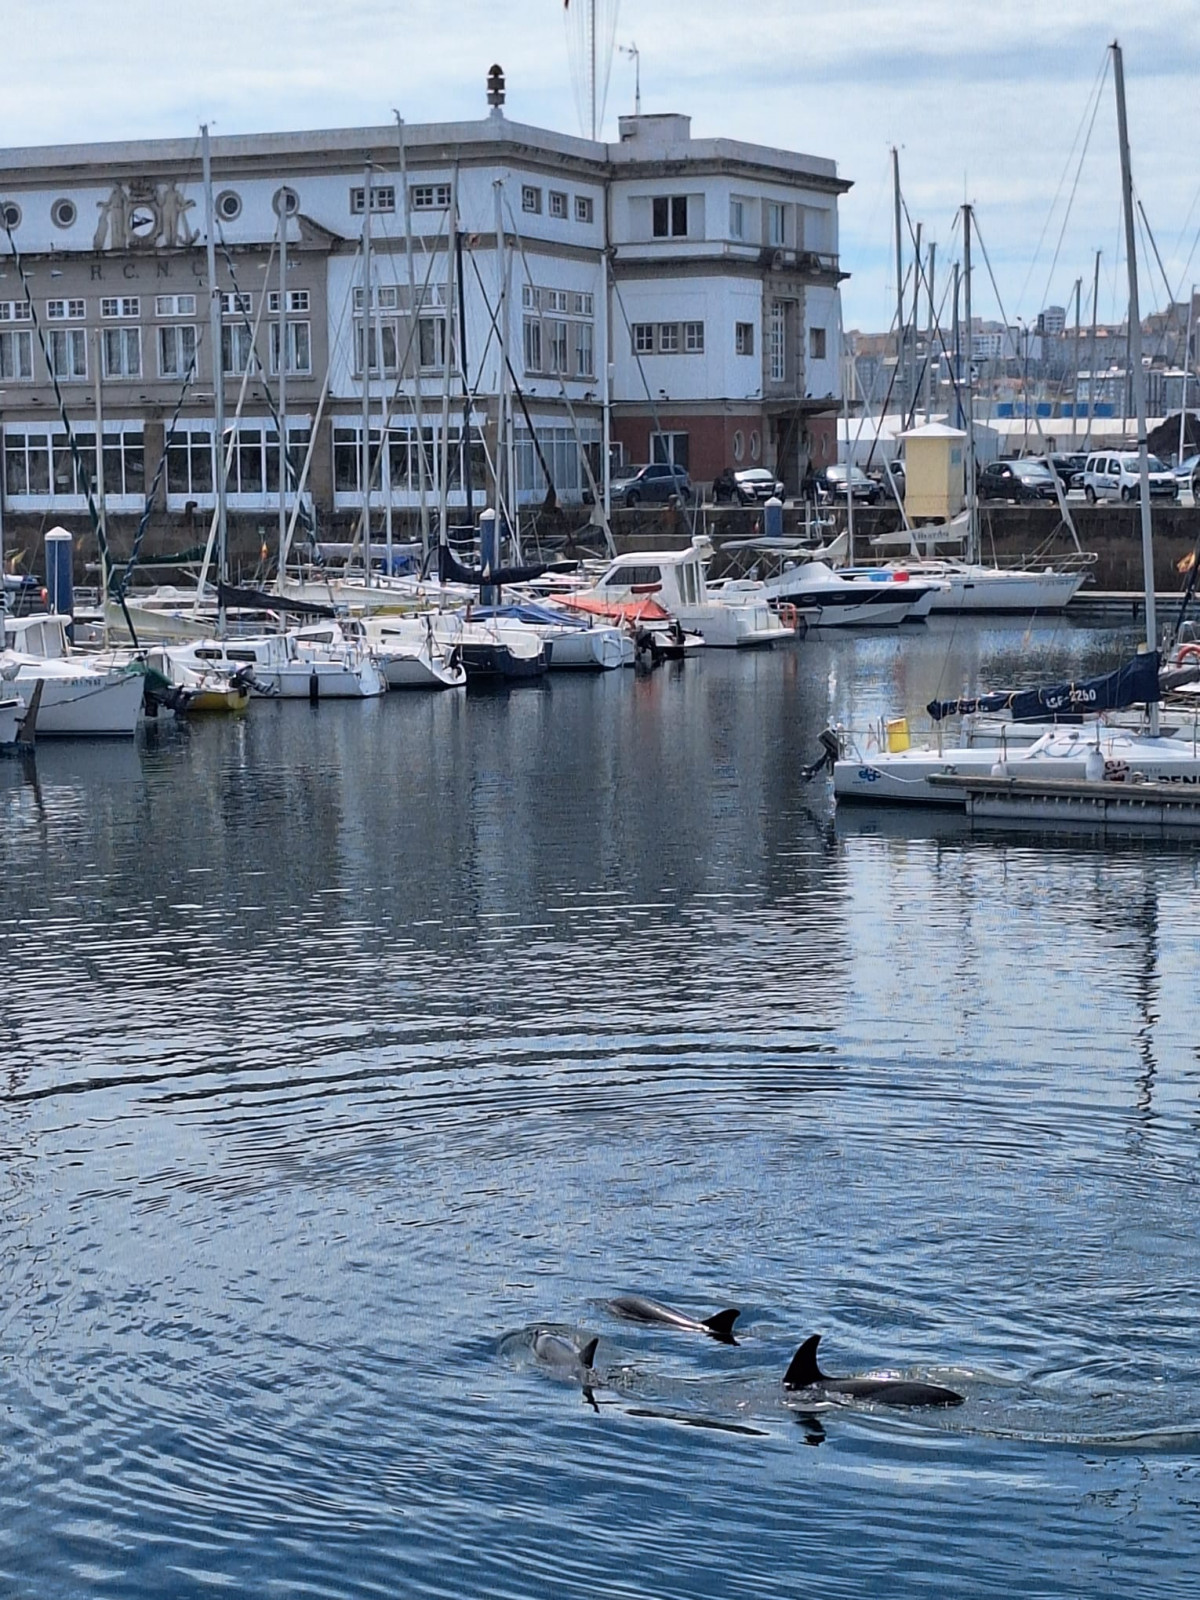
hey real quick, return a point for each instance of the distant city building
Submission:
(1053, 321)
(707, 268)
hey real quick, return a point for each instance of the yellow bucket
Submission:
(897, 734)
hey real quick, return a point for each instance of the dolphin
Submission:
(635, 1308)
(566, 1358)
(804, 1373)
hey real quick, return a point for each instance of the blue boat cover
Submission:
(1136, 683)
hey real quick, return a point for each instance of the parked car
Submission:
(1187, 473)
(1116, 475)
(1069, 468)
(891, 476)
(748, 486)
(831, 485)
(653, 482)
(1026, 479)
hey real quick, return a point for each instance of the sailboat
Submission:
(1091, 752)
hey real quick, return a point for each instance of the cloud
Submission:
(985, 100)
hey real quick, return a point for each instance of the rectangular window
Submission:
(66, 310)
(643, 338)
(816, 343)
(299, 347)
(176, 349)
(558, 204)
(237, 349)
(67, 348)
(122, 352)
(189, 459)
(237, 305)
(585, 356)
(531, 197)
(16, 353)
(668, 338)
(431, 341)
(556, 341)
(558, 300)
(383, 198)
(776, 223)
(670, 447)
(430, 196)
(531, 298)
(123, 306)
(743, 338)
(382, 337)
(670, 216)
(298, 300)
(777, 349)
(584, 208)
(737, 219)
(175, 305)
(693, 338)
(533, 345)
(15, 311)
(584, 305)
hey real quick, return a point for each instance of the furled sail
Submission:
(1135, 683)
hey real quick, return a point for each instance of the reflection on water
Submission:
(336, 1043)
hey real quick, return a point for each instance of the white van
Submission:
(1114, 475)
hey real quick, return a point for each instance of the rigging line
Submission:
(1074, 187)
(1097, 90)
(81, 472)
(1149, 234)
(123, 582)
(1160, 343)
(597, 498)
(1064, 510)
(240, 302)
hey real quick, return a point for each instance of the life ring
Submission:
(1187, 652)
(788, 615)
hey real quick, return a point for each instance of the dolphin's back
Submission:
(637, 1308)
(804, 1373)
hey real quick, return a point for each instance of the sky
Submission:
(1007, 103)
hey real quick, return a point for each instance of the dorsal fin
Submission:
(804, 1371)
(720, 1325)
(587, 1355)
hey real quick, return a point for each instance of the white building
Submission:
(708, 269)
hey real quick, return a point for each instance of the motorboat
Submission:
(82, 696)
(962, 586)
(739, 618)
(791, 574)
(197, 688)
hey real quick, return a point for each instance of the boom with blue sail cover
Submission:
(1135, 683)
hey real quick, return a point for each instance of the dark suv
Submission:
(656, 481)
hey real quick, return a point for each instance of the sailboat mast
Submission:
(1135, 362)
(1075, 396)
(1087, 442)
(931, 333)
(367, 330)
(214, 337)
(972, 501)
(900, 406)
(414, 345)
(283, 352)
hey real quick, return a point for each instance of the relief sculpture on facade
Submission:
(145, 216)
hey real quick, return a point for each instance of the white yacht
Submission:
(82, 696)
(791, 574)
(318, 663)
(733, 618)
(419, 652)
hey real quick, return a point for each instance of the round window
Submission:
(739, 444)
(755, 445)
(286, 200)
(228, 205)
(63, 213)
(10, 213)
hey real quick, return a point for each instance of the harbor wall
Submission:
(1009, 534)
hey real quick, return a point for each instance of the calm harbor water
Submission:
(340, 1044)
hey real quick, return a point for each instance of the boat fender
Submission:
(314, 688)
(1093, 767)
(1000, 769)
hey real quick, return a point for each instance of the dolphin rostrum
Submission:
(804, 1373)
(635, 1308)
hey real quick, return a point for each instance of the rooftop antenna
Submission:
(631, 50)
(591, 35)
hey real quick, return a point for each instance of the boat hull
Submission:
(84, 705)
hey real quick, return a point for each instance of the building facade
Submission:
(450, 291)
